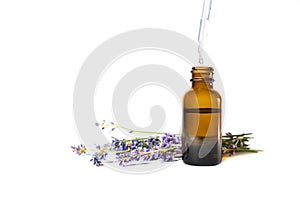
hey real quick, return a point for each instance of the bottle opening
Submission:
(202, 74)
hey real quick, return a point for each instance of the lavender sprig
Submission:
(236, 143)
(80, 149)
(113, 126)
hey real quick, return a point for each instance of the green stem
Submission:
(238, 135)
(128, 129)
(138, 131)
(247, 150)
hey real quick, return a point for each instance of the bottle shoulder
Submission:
(202, 98)
(215, 92)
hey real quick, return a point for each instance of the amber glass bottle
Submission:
(201, 137)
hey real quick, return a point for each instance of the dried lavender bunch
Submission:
(165, 147)
(236, 143)
(160, 146)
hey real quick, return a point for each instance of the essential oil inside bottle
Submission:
(201, 135)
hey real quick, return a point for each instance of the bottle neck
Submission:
(202, 85)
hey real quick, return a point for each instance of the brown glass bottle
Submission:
(201, 137)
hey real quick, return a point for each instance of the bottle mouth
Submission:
(202, 69)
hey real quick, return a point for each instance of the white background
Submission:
(255, 45)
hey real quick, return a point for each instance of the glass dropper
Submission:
(203, 28)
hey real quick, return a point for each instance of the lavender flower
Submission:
(96, 159)
(168, 156)
(155, 156)
(228, 134)
(80, 149)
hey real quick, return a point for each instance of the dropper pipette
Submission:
(202, 28)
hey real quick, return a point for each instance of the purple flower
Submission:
(96, 159)
(178, 151)
(155, 156)
(80, 149)
(224, 149)
(228, 134)
(168, 156)
(145, 149)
